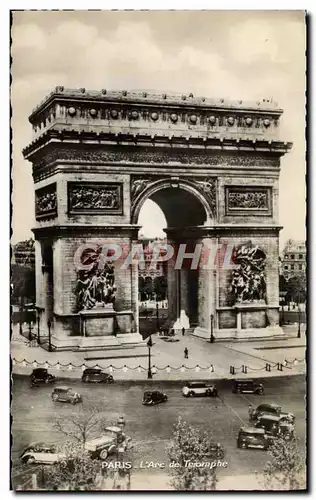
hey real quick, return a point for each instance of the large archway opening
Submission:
(168, 297)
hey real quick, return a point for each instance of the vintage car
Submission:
(66, 395)
(41, 376)
(247, 386)
(110, 442)
(171, 339)
(252, 437)
(40, 453)
(96, 375)
(151, 398)
(274, 425)
(199, 389)
(272, 409)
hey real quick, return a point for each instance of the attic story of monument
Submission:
(213, 168)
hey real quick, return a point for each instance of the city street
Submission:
(34, 414)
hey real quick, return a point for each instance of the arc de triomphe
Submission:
(213, 168)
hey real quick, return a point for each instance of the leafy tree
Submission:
(160, 287)
(287, 467)
(75, 471)
(296, 287)
(189, 445)
(23, 283)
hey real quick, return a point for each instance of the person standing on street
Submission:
(183, 331)
(186, 353)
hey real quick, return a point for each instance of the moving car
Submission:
(66, 395)
(248, 386)
(151, 398)
(111, 440)
(252, 437)
(274, 425)
(272, 409)
(96, 375)
(199, 389)
(171, 339)
(40, 453)
(41, 376)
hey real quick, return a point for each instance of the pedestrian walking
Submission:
(183, 331)
(186, 353)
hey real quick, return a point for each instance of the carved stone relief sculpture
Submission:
(85, 197)
(248, 280)
(46, 202)
(256, 199)
(208, 188)
(95, 287)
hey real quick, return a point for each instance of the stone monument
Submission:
(211, 165)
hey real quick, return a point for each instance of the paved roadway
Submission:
(34, 414)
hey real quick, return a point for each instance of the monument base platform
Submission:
(268, 333)
(106, 342)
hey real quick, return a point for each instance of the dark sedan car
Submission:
(96, 375)
(41, 376)
(151, 398)
(270, 409)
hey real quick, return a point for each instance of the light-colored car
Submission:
(111, 440)
(199, 389)
(66, 395)
(40, 453)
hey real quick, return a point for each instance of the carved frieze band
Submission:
(95, 198)
(46, 202)
(149, 155)
(205, 185)
(241, 200)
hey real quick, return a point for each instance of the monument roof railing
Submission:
(156, 98)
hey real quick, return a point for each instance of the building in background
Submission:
(293, 259)
(23, 253)
(152, 272)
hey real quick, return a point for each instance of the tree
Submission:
(191, 445)
(160, 287)
(76, 471)
(287, 466)
(79, 426)
(296, 287)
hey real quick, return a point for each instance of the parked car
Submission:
(271, 409)
(41, 376)
(40, 453)
(151, 398)
(107, 444)
(274, 425)
(66, 395)
(199, 389)
(171, 339)
(248, 386)
(96, 375)
(252, 437)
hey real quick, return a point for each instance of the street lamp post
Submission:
(30, 329)
(299, 318)
(212, 327)
(38, 328)
(49, 324)
(149, 345)
(157, 315)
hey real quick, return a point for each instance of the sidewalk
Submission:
(205, 360)
(161, 482)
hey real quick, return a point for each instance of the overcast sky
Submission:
(236, 55)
